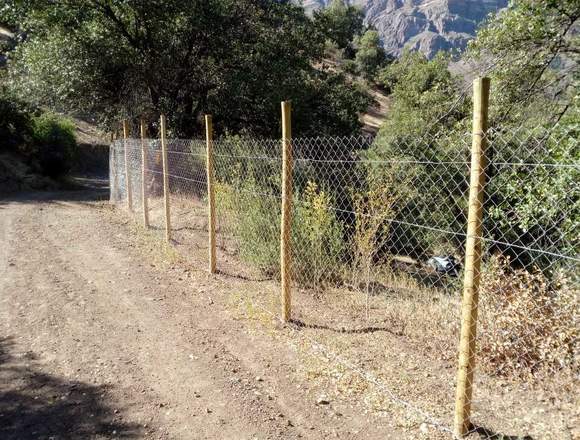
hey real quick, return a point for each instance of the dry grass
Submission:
(529, 325)
(391, 349)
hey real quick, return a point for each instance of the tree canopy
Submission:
(340, 23)
(531, 50)
(236, 59)
(370, 55)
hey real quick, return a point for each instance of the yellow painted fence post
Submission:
(127, 165)
(210, 193)
(144, 167)
(472, 259)
(286, 218)
(165, 179)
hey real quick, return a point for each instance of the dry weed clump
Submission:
(529, 324)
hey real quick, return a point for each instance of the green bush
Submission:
(370, 55)
(536, 207)
(44, 140)
(318, 244)
(253, 220)
(425, 129)
(54, 143)
(253, 217)
(14, 123)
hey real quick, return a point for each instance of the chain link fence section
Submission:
(529, 314)
(378, 233)
(248, 198)
(378, 238)
(186, 162)
(187, 189)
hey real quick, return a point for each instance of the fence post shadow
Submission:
(488, 434)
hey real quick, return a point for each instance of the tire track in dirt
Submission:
(80, 304)
(175, 368)
(115, 337)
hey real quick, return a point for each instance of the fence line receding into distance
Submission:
(368, 246)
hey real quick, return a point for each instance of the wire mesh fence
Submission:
(378, 235)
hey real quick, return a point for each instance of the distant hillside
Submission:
(424, 25)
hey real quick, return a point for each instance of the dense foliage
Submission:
(340, 23)
(422, 130)
(14, 122)
(531, 51)
(53, 144)
(234, 59)
(370, 55)
(44, 140)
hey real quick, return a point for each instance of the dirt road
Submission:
(98, 340)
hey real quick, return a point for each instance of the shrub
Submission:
(375, 207)
(529, 325)
(536, 206)
(253, 217)
(254, 222)
(14, 123)
(54, 143)
(370, 55)
(317, 238)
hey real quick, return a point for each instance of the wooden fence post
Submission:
(286, 218)
(210, 193)
(127, 165)
(144, 167)
(113, 168)
(165, 179)
(472, 259)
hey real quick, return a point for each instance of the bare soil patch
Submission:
(109, 333)
(391, 353)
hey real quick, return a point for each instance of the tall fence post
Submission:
(286, 218)
(127, 165)
(113, 168)
(210, 193)
(472, 259)
(165, 179)
(144, 167)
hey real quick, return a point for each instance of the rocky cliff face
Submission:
(424, 25)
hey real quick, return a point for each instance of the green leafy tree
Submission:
(235, 59)
(370, 55)
(423, 93)
(534, 203)
(340, 23)
(424, 126)
(531, 51)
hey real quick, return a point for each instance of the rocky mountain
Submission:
(424, 25)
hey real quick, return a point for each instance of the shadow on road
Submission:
(36, 405)
(76, 189)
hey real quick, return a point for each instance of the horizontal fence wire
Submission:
(378, 235)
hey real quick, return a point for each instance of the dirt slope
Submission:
(97, 342)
